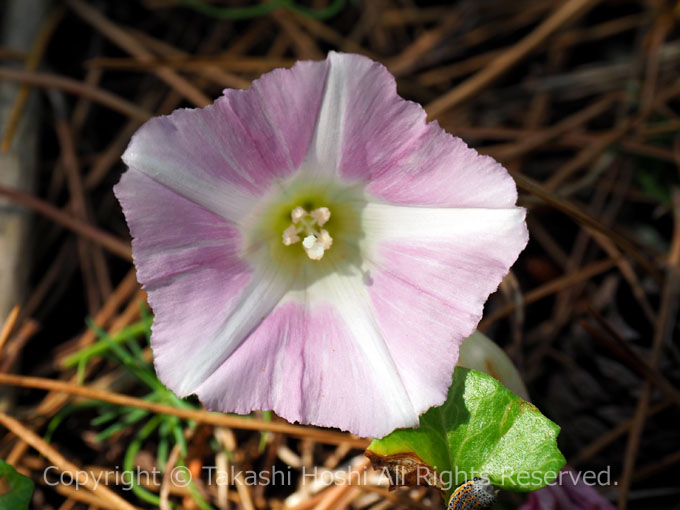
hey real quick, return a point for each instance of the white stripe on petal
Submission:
(185, 372)
(347, 293)
(431, 272)
(324, 151)
(223, 199)
(383, 221)
(226, 156)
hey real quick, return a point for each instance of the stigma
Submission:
(306, 227)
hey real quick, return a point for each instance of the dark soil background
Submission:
(579, 99)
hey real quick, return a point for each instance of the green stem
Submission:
(233, 13)
(102, 346)
(255, 11)
(319, 14)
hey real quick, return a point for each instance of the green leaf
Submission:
(483, 429)
(16, 490)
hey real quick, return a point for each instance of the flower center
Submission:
(315, 240)
(298, 222)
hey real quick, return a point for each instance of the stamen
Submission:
(297, 214)
(325, 239)
(290, 235)
(321, 215)
(313, 248)
(316, 241)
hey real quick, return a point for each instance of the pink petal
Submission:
(227, 154)
(190, 171)
(307, 364)
(370, 134)
(433, 271)
(205, 297)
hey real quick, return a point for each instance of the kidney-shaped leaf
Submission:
(16, 490)
(483, 429)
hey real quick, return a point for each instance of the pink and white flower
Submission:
(312, 246)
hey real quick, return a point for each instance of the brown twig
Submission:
(221, 420)
(537, 139)
(63, 465)
(56, 82)
(40, 44)
(94, 234)
(216, 72)
(118, 36)
(551, 288)
(565, 13)
(630, 358)
(125, 290)
(91, 256)
(177, 59)
(305, 46)
(16, 343)
(580, 216)
(664, 329)
(8, 326)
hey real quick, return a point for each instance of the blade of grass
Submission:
(99, 348)
(129, 460)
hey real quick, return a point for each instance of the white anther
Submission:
(313, 247)
(297, 214)
(290, 235)
(309, 242)
(321, 215)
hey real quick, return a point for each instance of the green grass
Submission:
(166, 431)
